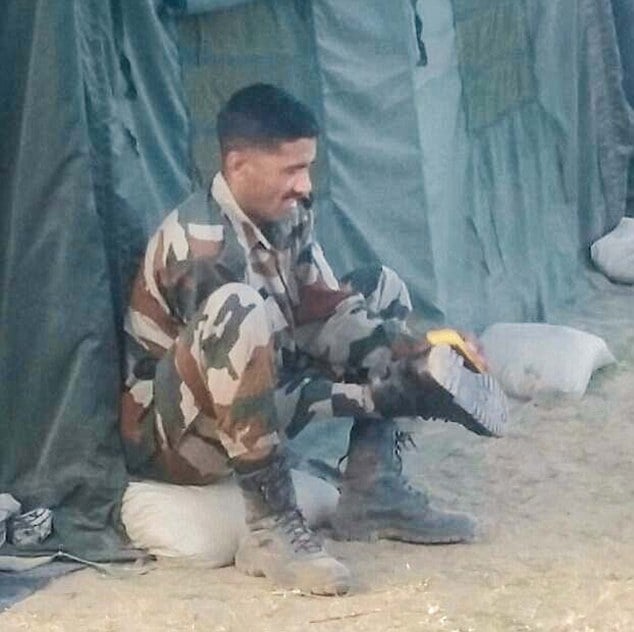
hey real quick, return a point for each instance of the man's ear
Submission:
(234, 162)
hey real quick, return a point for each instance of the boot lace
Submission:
(302, 539)
(403, 440)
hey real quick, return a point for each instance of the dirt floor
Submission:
(556, 553)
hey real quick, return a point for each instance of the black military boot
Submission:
(376, 500)
(437, 385)
(279, 545)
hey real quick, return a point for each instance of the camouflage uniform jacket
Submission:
(208, 241)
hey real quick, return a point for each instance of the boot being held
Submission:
(437, 385)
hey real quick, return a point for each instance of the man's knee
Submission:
(235, 313)
(385, 292)
(231, 294)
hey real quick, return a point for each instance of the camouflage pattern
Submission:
(237, 334)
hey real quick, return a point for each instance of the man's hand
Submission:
(467, 345)
(442, 376)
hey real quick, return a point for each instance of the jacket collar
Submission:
(248, 233)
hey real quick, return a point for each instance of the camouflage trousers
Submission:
(221, 397)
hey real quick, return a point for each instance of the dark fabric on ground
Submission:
(17, 586)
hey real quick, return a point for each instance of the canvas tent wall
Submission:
(482, 147)
(623, 20)
(481, 177)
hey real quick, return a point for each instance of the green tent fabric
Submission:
(623, 20)
(525, 146)
(87, 170)
(463, 174)
(481, 176)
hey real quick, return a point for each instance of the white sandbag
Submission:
(531, 359)
(207, 523)
(613, 254)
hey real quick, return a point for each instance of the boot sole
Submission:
(477, 401)
(249, 564)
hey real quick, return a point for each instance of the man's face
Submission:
(268, 182)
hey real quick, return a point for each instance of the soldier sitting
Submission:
(238, 334)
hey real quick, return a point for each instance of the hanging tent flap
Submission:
(93, 148)
(483, 170)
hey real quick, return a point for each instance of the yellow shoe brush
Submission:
(452, 338)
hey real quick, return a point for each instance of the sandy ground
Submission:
(555, 499)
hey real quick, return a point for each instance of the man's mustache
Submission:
(306, 201)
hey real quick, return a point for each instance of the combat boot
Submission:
(279, 545)
(376, 500)
(437, 385)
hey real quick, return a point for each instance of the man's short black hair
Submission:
(263, 115)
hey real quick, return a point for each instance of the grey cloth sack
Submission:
(8, 507)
